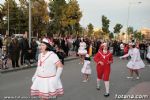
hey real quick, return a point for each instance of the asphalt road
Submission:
(18, 83)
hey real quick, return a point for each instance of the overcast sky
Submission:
(116, 11)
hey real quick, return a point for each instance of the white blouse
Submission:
(134, 53)
(47, 64)
(82, 46)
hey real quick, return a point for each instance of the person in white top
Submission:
(148, 53)
(122, 49)
(82, 50)
(135, 62)
(46, 80)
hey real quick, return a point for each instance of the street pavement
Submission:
(18, 83)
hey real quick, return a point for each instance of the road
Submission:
(18, 83)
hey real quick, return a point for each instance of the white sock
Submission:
(98, 82)
(107, 86)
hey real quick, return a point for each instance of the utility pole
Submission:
(8, 19)
(128, 17)
(29, 22)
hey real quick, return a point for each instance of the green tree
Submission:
(111, 35)
(40, 16)
(130, 30)
(74, 15)
(17, 16)
(64, 17)
(78, 29)
(117, 28)
(1, 14)
(1, 18)
(138, 35)
(105, 25)
(13, 15)
(90, 29)
(58, 17)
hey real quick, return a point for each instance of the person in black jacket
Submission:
(1, 43)
(34, 46)
(24, 45)
(142, 47)
(64, 45)
(14, 50)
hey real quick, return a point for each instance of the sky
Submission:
(116, 11)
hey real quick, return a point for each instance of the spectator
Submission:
(24, 49)
(14, 51)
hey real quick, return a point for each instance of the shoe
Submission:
(84, 81)
(106, 95)
(98, 87)
(129, 77)
(26, 65)
(137, 77)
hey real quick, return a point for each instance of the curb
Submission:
(30, 66)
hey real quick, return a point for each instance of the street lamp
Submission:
(129, 6)
(29, 23)
(8, 19)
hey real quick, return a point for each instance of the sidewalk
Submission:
(32, 65)
(141, 90)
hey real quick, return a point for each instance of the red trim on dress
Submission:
(40, 61)
(38, 93)
(46, 76)
(57, 61)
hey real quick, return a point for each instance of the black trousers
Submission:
(15, 63)
(24, 56)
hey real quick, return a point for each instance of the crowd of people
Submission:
(49, 53)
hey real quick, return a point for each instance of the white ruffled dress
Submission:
(135, 61)
(86, 69)
(82, 49)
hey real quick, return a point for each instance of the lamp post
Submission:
(29, 23)
(7, 33)
(128, 17)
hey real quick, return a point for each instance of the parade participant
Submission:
(46, 80)
(135, 62)
(82, 50)
(103, 59)
(86, 69)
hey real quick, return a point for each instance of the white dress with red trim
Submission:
(82, 49)
(86, 69)
(135, 62)
(46, 85)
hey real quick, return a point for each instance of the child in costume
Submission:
(86, 69)
(103, 59)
